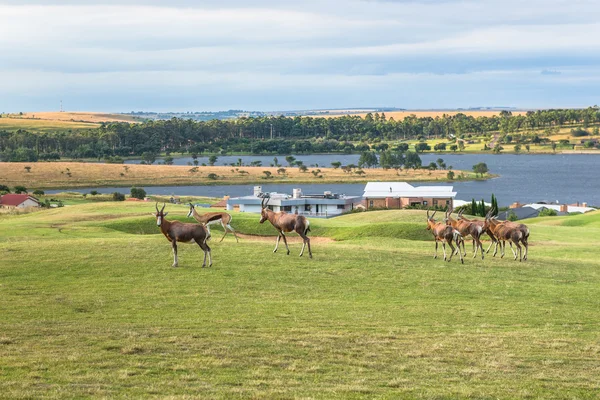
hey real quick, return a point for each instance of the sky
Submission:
(182, 55)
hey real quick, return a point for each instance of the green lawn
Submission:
(90, 307)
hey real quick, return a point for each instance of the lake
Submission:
(566, 178)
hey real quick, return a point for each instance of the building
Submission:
(18, 201)
(316, 205)
(401, 195)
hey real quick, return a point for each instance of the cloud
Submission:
(229, 51)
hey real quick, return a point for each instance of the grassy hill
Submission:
(91, 307)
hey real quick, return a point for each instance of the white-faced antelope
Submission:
(513, 233)
(207, 219)
(284, 223)
(485, 229)
(176, 231)
(445, 234)
(466, 228)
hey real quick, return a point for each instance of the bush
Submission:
(548, 212)
(212, 176)
(20, 189)
(4, 188)
(138, 193)
(38, 192)
(579, 132)
(118, 196)
(94, 192)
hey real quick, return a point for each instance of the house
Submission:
(562, 208)
(401, 195)
(519, 213)
(18, 201)
(316, 205)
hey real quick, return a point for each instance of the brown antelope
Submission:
(510, 232)
(466, 228)
(445, 234)
(487, 230)
(176, 231)
(284, 223)
(213, 218)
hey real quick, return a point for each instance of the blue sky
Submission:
(273, 55)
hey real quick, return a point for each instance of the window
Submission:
(341, 206)
(435, 202)
(307, 207)
(370, 203)
(425, 202)
(286, 208)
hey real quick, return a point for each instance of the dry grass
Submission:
(41, 125)
(400, 115)
(76, 175)
(83, 116)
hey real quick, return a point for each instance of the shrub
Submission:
(4, 188)
(118, 196)
(94, 192)
(212, 176)
(579, 132)
(38, 192)
(548, 212)
(138, 193)
(20, 189)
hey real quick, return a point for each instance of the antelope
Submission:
(511, 232)
(176, 231)
(284, 223)
(213, 218)
(445, 234)
(466, 228)
(487, 230)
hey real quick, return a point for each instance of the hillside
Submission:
(91, 308)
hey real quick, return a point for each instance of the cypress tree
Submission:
(473, 207)
(482, 208)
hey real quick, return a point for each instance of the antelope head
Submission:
(488, 220)
(191, 211)
(430, 220)
(264, 215)
(448, 218)
(159, 214)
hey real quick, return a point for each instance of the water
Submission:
(525, 178)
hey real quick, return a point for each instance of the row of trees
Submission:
(270, 135)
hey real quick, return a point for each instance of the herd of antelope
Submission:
(449, 231)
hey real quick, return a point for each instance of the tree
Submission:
(212, 160)
(148, 157)
(480, 168)
(138, 193)
(554, 146)
(517, 148)
(302, 168)
(290, 160)
(168, 160)
(473, 207)
(527, 147)
(27, 168)
(412, 160)
(440, 147)
(38, 192)
(212, 176)
(368, 159)
(20, 189)
(421, 147)
(548, 212)
(498, 148)
(4, 189)
(336, 164)
(432, 166)
(453, 147)
(118, 196)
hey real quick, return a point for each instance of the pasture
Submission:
(62, 175)
(91, 307)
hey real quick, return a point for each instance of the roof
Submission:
(220, 204)
(403, 189)
(16, 199)
(521, 213)
(556, 207)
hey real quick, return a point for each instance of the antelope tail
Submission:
(456, 236)
(307, 227)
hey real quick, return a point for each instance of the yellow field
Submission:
(83, 116)
(77, 175)
(400, 115)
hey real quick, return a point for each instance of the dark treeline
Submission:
(270, 135)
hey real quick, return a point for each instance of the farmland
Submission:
(74, 175)
(58, 121)
(91, 307)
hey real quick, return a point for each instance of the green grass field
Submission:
(90, 307)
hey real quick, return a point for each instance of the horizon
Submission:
(158, 56)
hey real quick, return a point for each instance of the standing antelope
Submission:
(176, 231)
(510, 232)
(486, 230)
(284, 223)
(466, 228)
(445, 234)
(213, 218)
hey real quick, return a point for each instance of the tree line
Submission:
(271, 135)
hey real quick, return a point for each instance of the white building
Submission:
(317, 205)
(18, 201)
(402, 194)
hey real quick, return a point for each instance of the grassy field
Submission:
(91, 308)
(58, 121)
(45, 175)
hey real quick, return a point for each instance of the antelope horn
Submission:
(427, 213)
(432, 215)
(163, 207)
(156, 205)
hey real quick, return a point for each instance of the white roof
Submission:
(403, 189)
(556, 207)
